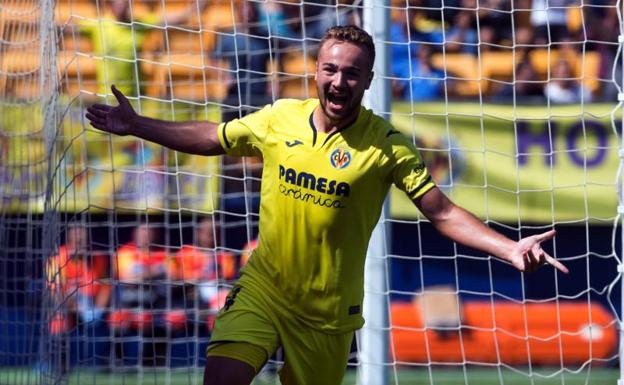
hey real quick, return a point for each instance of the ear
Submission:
(316, 68)
(370, 79)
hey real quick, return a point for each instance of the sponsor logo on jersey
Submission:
(340, 158)
(294, 143)
(313, 182)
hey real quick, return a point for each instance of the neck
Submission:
(325, 124)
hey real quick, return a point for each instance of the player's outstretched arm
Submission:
(193, 137)
(462, 227)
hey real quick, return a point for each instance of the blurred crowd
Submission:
(244, 53)
(535, 50)
(562, 51)
(141, 288)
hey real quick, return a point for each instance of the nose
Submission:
(339, 80)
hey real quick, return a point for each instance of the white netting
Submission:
(513, 106)
(27, 127)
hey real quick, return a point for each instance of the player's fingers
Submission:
(538, 253)
(121, 98)
(95, 119)
(556, 264)
(529, 263)
(99, 106)
(99, 109)
(545, 236)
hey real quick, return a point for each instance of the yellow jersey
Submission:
(321, 197)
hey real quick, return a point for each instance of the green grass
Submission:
(435, 376)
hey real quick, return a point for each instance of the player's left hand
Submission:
(528, 254)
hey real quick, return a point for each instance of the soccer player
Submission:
(328, 164)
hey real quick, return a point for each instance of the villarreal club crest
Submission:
(340, 158)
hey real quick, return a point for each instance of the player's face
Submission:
(343, 73)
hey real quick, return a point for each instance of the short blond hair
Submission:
(352, 34)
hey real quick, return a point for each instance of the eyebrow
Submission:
(332, 65)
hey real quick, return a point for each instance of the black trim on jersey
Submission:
(420, 185)
(313, 129)
(343, 128)
(332, 134)
(392, 132)
(227, 143)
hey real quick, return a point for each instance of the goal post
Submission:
(116, 254)
(374, 336)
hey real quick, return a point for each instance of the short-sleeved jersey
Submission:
(321, 197)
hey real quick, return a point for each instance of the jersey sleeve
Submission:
(246, 136)
(405, 168)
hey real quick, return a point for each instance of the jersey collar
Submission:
(315, 131)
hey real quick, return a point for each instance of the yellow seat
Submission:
(462, 69)
(217, 14)
(295, 79)
(77, 73)
(189, 76)
(498, 64)
(66, 11)
(190, 41)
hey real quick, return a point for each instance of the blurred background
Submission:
(117, 253)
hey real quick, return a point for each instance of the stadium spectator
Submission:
(525, 87)
(495, 24)
(425, 23)
(564, 88)
(319, 15)
(599, 24)
(273, 22)
(204, 265)
(401, 46)
(462, 36)
(138, 262)
(118, 36)
(328, 165)
(550, 20)
(418, 80)
(75, 276)
(140, 269)
(247, 53)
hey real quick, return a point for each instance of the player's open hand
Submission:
(528, 254)
(117, 120)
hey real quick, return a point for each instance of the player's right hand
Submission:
(117, 120)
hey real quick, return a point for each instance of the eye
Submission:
(353, 75)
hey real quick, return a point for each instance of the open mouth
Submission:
(337, 101)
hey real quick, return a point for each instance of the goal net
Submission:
(117, 253)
